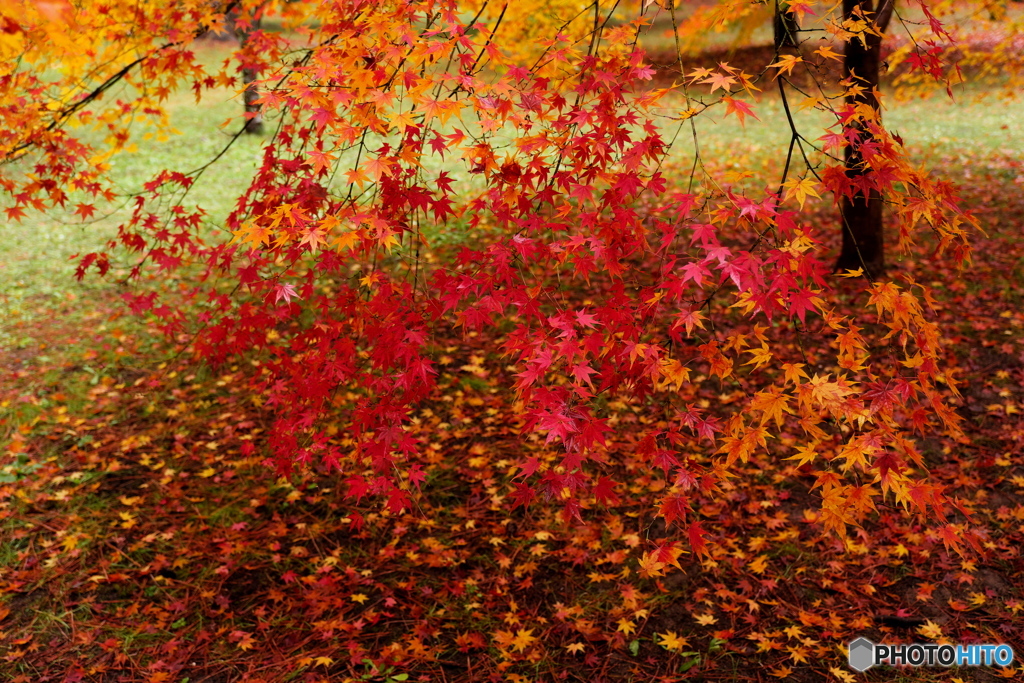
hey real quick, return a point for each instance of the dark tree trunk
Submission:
(861, 215)
(253, 125)
(254, 116)
(786, 28)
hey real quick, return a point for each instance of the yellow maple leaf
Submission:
(672, 641)
(705, 619)
(650, 566)
(804, 454)
(828, 53)
(798, 654)
(930, 630)
(759, 565)
(810, 103)
(575, 648)
(801, 188)
(524, 639)
(762, 356)
(844, 676)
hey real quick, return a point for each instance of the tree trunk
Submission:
(786, 28)
(254, 116)
(861, 216)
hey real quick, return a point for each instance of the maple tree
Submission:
(497, 370)
(396, 123)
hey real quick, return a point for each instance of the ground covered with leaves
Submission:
(143, 539)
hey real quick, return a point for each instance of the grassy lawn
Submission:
(36, 268)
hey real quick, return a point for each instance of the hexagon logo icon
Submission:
(861, 654)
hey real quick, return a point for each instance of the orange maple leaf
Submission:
(786, 63)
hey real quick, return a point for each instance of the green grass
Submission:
(36, 264)
(930, 126)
